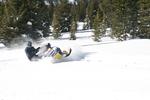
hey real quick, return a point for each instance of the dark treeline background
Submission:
(33, 18)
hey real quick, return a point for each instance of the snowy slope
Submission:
(109, 70)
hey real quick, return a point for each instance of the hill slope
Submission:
(109, 70)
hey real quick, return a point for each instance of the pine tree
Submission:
(9, 21)
(74, 18)
(65, 15)
(81, 9)
(38, 16)
(132, 16)
(73, 30)
(86, 22)
(125, 19)
(1, 10)
(56, 25)
(44, 19)
(120, 19)
(50, 10)
(90, 10)
(24, 17)
(144, 18)
(74, 12)
(96, 29)
(98, 25)
(1, 17)
(107, 7)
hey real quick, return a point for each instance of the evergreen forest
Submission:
(36, 19)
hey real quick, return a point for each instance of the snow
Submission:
(107, 70)
(80, 25)
(2, 45)
(29, 23)
(72, 1)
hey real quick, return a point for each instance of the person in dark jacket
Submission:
(31, 51)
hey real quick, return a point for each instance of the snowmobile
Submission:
(54, 52)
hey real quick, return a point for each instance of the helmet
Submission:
(49, 45)
(29, 43)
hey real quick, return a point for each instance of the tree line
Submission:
(33, 18)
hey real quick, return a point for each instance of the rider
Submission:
(31, 51)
